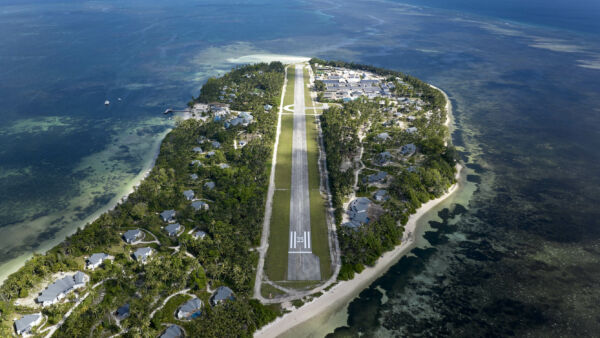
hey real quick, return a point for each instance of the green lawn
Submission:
(289, 89)
(318, 213)
(276, 260)
(277, 255)
(268, 291)
(283, 168)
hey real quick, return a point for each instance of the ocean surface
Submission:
(515, 252)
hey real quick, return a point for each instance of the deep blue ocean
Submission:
(516, 252)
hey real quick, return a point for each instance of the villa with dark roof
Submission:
(25, 324)
(200, 205)
(381, 195)
(190, 309)
(168, 215)
(383, 158)
(408, 149)
(133, 236)
(96, 260)
(199, 234)
(142, 254)
(222, 294)
(383, 136)
(62, 287)
(122, 312)
(173, 229)
(189, 195)
(358, 212)
(173, 331)
(377, 178)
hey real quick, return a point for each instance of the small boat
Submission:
(106, 103)
(119, 99)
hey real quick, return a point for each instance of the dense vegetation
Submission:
(415, 180)
(232, 224)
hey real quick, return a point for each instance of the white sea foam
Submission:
(256, 58)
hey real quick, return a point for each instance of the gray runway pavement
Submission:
(302, 263)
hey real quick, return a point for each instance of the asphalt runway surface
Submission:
(302, 263)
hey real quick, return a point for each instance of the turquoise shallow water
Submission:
(517, 256)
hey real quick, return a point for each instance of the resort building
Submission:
(96, 260)
(200, 205)
(62, 287)
(358, 212)
(222, 294)
(173, 229)
(380, 177)
(25, 324)
(122, 312)
(133, 236)
(173, 331)
(381, 195)
(189, 195)
(199, 234)
(408, 149)
(142, 254)
(168, 215)
(190, 309)
(383, 158)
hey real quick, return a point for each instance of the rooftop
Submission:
(61, 287)
(172, 331)
(222, 293)
(173, 229)
(122, 312)
(189, 194)
(199, 234)
(97, 258)
(199, 205)
(168, 215)
(190, 309)
(25, 323)
(142, 254)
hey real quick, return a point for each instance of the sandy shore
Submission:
(345, 291)
(15, 264)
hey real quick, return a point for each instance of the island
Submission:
(279, 184)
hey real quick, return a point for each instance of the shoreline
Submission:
(15, 264)
(345, 291)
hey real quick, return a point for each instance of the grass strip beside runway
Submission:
(318, 204)
(277, 254)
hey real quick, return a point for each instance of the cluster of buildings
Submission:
(346, 84)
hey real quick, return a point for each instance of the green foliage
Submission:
(233, 224)
(346, 272)
(198, 279)
(433, 167)
(319, 86)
